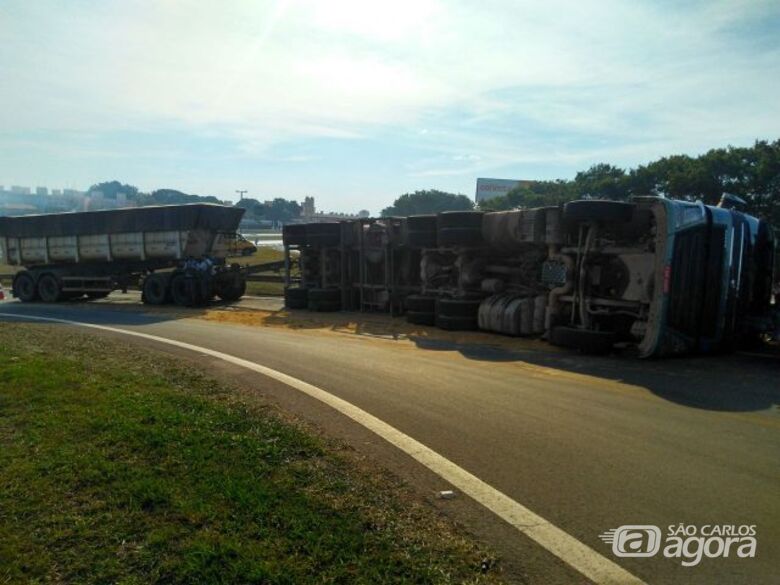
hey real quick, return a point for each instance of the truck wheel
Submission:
(420, 231)
(460, 219)
(296, 298)
(606, 211)
(323, 235)
(183, 291)
(24, 287)
(294, 234)
(460, 228)
(421, 317)
(458, 308)
(156, 290)
(233, 291)
(420, 303)
(49, 289)
(462, 237)
(456, 323)
(585, 340)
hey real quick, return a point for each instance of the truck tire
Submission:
(232, 290)
(420, 231)
(460, 237)
(185, 291)
(451, 323)
(607, 211)
(156, 291)
(459, 228)
(585, 340)
(458, 308)
(24, 287)
(324, 299)
(294, 234)
(323, 235)
(296, 298)
(460, 219)
(420, 303)
(421, 317)
(49, 289)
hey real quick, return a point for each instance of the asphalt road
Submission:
(590, 444)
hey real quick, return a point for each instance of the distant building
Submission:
(308, 207)
(490, 188)
(42, 191)
(19, 190)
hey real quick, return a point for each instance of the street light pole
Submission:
(241, 194)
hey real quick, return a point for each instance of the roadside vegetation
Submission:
(118, 465)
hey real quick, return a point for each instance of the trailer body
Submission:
(71, 254)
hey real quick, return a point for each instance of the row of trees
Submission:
(277, 210)
(752, 173)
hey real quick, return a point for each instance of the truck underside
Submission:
(588, 275)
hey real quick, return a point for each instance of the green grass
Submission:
(118, 465)
(264, 254)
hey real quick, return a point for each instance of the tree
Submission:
(110, 189)
(430, 201)
(174, 197)
(281, 210)
(602, 181)
(538, 194)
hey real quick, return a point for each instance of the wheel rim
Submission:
(25, 288)
(48, 289)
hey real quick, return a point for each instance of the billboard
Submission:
(490, 188)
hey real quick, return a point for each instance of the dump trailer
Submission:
(174, 253)
(662, 276)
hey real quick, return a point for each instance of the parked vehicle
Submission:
(240, 246)
(174, 253)
(664, 276)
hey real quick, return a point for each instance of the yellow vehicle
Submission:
(242, 247)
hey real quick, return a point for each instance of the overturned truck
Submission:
(174, 253)
(662, 276)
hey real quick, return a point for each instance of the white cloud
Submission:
(494, 83)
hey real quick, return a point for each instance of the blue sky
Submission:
(355, 102)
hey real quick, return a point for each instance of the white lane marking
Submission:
(581, 557)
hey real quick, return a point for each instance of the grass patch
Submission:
(120, 465)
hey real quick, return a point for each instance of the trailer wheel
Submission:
(460, 220)
(232, 291)
(296, 298)
(156, 290)
(585, 340)
(458, 308)
(420, 303)
(294, 234)
(451, 323)
(24, 287)
(184, 290)
(607, 211)
(421, 317)
(49, 289)
(323, 235)
(420, 231)
(464, 237)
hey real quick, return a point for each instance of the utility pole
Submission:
(241, 194)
